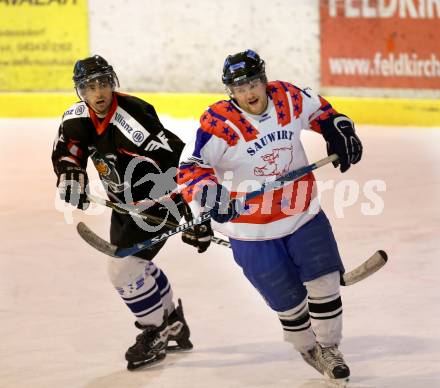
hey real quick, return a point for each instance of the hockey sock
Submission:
(138, 289)
(297, 327)
(165, 290)
(325, 308)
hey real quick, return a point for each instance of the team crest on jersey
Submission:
(105, 165)
(101, 167)
(277, 163)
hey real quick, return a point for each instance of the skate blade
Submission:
(324, 382)
(184, 346)
(177, 348)
(146, 363)
(342, 382)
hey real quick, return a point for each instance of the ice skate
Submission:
(327, 361)
(150, 346)
(178, 331)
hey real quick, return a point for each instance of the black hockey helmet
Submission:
(90, 68)
(243, 67)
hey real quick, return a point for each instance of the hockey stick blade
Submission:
(220, 241)
(367, 268)
(95, 241)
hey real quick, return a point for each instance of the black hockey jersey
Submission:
(135, 156)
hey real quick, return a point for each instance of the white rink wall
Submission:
(180, 46)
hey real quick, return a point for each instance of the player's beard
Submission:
(258, 107)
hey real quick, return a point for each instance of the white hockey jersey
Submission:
(242, 151)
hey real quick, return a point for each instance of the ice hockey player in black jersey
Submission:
(136, 159)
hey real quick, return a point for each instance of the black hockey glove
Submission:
(73, 185)
(217, 200)
(198, 236)
(338, 132)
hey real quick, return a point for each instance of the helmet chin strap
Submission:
(229, 92)
(79, 96)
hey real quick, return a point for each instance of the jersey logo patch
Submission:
(278, 162)
(106, 167)
(75, 111)
(162, 143)
(129, 127)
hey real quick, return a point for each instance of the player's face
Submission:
(98, 94)
(251, 97)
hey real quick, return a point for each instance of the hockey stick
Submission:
(130, 210)
(367, 268)
(291, 176)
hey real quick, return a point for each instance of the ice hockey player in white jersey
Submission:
(125, 140)
(282, 240)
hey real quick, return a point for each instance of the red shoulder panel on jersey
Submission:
(277, 91)
(327, 111)
(225, 110)
(211, 123)
(297, 99)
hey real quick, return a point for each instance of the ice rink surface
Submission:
(63, 325)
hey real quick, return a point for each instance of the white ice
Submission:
(63, 325)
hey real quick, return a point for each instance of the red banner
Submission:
(380, 43)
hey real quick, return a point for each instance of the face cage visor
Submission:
(97, 80)
(245, 80)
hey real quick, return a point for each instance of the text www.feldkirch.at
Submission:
(391, 65)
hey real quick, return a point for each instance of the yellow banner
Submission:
(40, 40)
